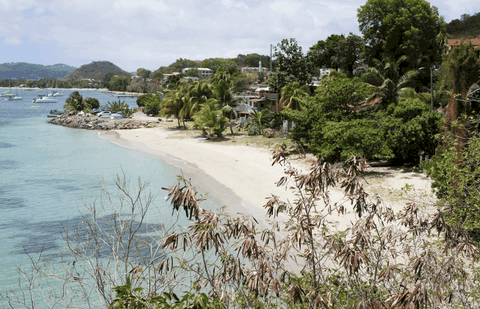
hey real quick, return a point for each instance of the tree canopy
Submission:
(338, 52)
(291, 65)
(393, 28)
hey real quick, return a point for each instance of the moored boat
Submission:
(12, 97)
(44, 99)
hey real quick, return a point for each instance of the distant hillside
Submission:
(466, 26)
(96, 70)
(34, 71)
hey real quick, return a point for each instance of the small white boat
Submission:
(44, 99)
(4, 94)
(55, 94)
(12, 97)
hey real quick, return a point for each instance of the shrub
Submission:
(120, 107)
(92, 102)
(152, 105)
(144, 98)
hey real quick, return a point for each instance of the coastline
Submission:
(240, 177)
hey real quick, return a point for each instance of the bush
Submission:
(410, 128)
(92, 102)
(141, 100)
(152, 105)
(120, 107)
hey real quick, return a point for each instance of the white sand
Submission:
(244, 174)
(245, 170)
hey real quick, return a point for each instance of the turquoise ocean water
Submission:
(47, 172)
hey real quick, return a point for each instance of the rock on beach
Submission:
(91, 122)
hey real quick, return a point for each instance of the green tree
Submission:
(92, 102)
(219, 64)
(411, 128)
(211, 118)
(143, 98)
(291, 65)
(75, 102)
(333, 125)
(338, 52)
(456, 179)
(396, 28)
(392, 80)
(180, 64)
(120, 106)
(195, 95)
(152, 105)
(252, 60)
(293, 94)
(119, 83)
(175, 104)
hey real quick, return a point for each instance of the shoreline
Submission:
(240, 177)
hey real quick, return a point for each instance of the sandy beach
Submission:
(242, 177)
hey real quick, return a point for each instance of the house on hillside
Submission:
(202, 72)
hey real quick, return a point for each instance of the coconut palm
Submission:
(293, 95)
(392, 80)
(211, 118)
(224, 96)
(75, 102)
(173, 104)
(196, 95)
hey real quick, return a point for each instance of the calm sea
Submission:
(48, 172)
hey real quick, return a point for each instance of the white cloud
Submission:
(234, 4)
(150, 33)
(12, 41)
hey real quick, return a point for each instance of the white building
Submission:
(202, 72)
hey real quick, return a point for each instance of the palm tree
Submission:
(75, 102)
(210, 116)
(196, 95)
(224, 96)
(174, 103)
(392, 80)
(293, 95)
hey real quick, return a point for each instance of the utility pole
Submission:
(431, 85)
(271, 46)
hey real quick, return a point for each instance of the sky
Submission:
(152, 33)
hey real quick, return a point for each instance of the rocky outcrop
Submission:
(91, 122)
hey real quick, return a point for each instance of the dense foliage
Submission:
(120, 107)
(210, 118)
(336, 124)
(291, 65)
(338, 52)
(96, 70)
(33, 71)
(465, 27)
(395, 28)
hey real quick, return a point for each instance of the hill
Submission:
(34, 71)
(466, 26)
(96, 70)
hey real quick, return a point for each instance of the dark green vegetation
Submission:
(466, 27)
(17, 70)
(76, 103)
(96, 70)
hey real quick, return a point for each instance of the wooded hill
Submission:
(34, 71)
(466, 26)
(96, 70)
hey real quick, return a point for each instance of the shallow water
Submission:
(48, 172)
